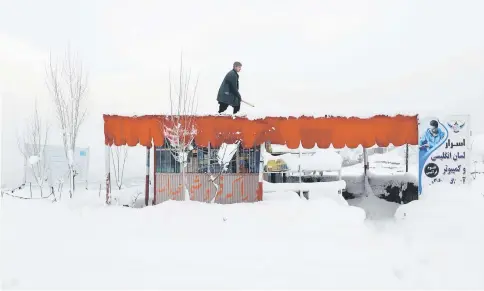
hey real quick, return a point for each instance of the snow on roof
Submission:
(322, 160)
(362, 114)
(281, 111)
(253, 116)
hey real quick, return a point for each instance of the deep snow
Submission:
(282, 242)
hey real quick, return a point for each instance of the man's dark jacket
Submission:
(229, 90)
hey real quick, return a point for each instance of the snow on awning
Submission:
(321, 160)
(306, 131)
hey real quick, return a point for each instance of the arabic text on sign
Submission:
(452, 170)
(449, 156)
(451, 145)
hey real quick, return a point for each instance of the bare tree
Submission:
(179, 128)
(68, 85)
(119, 156)
(224, 156)
(32, 147)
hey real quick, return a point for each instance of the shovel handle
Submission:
(251, 105)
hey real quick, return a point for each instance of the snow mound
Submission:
(282, 242)
(327, 187)
(281, 196)
(189, 245)
(461, 204)
(445, 234)
(317, 191)
(375, 208)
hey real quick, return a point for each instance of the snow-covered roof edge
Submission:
(255, 117)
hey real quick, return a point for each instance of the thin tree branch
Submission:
(68, 87)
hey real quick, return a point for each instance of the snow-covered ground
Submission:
(282, 242)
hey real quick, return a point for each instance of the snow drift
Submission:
(444, 234)
(435, 242)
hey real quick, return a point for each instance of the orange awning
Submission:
(309, 131)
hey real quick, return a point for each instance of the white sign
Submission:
(444, 155)
(57, 165)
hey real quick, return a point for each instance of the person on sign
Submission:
(228, 94)
(432, 136)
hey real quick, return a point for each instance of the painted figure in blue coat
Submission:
(432, 137)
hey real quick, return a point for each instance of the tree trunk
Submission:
(184, 181)
(107, 166)
(71, 181)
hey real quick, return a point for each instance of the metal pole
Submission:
(209, 161)
(365, 167)
(147, 181)
(406, 159)
(155, 165)
(261, 162)
(300, 174)
(237, 160)
(365, 161)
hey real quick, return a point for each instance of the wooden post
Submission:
(406, 159)
(365, 167)
(147, 181)
(107, 156)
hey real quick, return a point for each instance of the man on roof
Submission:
(228, 93)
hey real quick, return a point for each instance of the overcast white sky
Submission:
(313, 57)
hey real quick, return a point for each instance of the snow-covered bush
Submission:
(445, 231)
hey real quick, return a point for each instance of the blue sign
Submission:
(443, 153)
